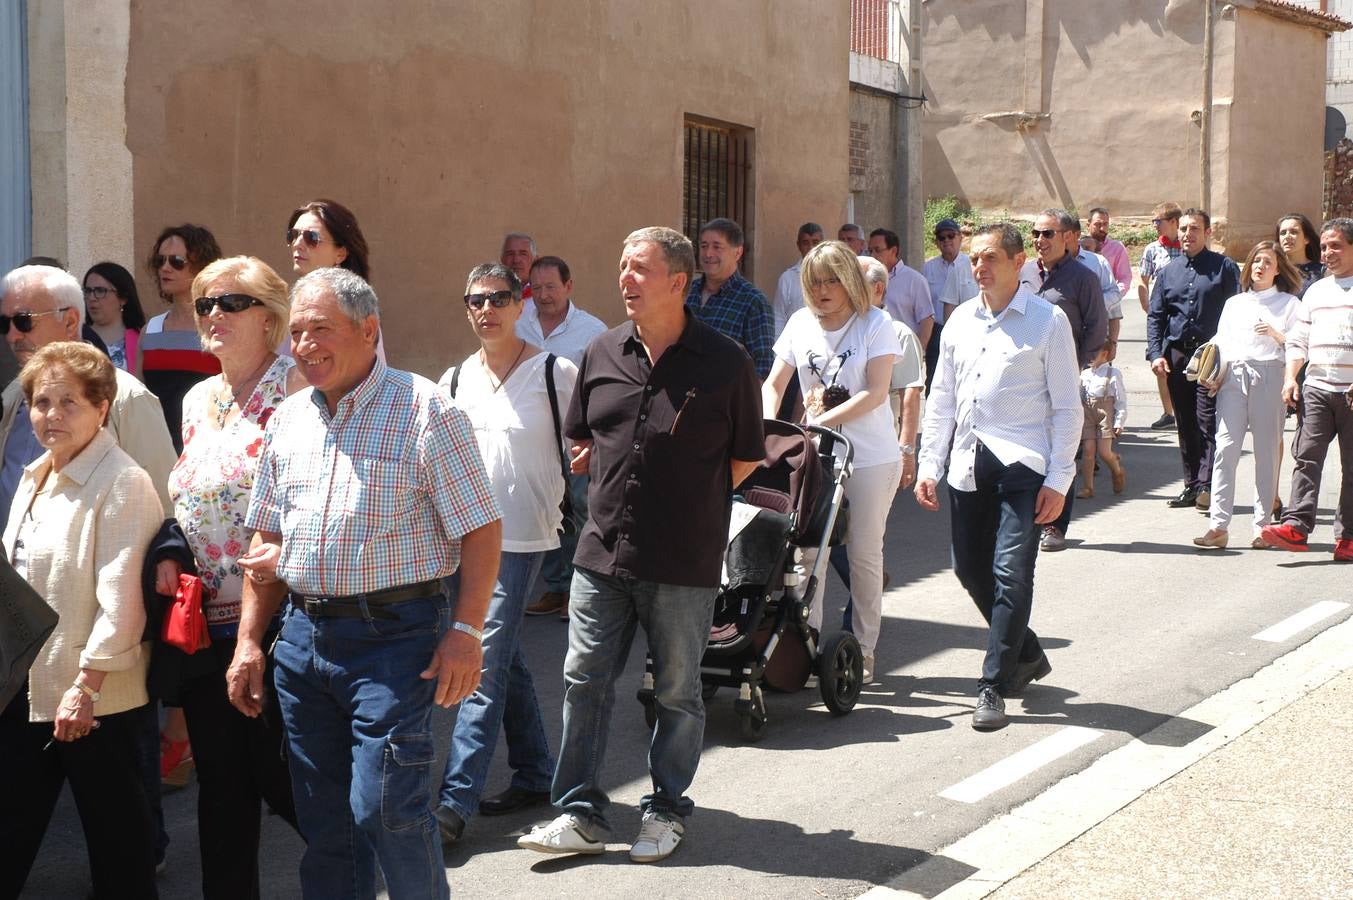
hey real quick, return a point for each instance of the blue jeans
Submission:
(995, 548)
(359, 735)
(506, 697)
(558, 568)
(603, 613)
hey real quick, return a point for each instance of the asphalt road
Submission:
(1139, 627)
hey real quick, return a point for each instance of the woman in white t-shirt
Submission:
(504, 390)
(843, 350)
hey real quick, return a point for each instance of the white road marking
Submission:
(1301, 621)
(1014, 767)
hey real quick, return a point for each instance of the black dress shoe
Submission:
(511, 800)
(990, 712)
(1188, 497)
(1026, 672)
(450, 824)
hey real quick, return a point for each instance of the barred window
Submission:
(717, 180)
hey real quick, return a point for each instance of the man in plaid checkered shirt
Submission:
(370, 495)
(724, 300)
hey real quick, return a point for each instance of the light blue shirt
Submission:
(21, 448)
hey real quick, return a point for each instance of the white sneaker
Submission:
(867, 670)
(658, 837)
(564, 835)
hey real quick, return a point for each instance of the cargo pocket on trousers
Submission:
(406, 788)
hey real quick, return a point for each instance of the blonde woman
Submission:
(842, 349)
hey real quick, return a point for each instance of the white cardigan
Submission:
(84, 553)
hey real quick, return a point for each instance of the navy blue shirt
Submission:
(738, 310)
(1186, 302)
(1075, 290)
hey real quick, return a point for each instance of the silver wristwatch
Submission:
(908, 449)
(470, 630)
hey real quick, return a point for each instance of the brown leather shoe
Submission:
(549, 602)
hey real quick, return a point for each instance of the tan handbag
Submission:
(1204, 364)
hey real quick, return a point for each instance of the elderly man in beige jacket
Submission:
(38, 306)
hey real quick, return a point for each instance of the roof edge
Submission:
(1300, 15)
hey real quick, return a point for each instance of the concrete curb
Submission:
(1016, 841)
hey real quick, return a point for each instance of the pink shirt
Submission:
(1117, 255)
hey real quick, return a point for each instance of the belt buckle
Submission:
(315, 607)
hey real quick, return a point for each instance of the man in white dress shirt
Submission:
(555, 323)
(1004, 419)
(788, 293)
(937, 271)
(908, 298)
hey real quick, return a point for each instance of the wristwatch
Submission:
(470, 630)
(908, 449)
(88, 691)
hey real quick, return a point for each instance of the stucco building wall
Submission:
(874, 166)
(449, 124)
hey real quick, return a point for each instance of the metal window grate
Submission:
(717, 181)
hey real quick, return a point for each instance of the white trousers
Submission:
(1250, 399)
(870, 491)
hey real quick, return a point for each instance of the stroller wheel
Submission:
(752, 716)
(840, 665)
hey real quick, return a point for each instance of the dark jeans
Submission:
(241, 763)
(148, 760)
(358, 720)
(932, 355)
(1325, 415)
(995, 548)
(1195, 421)
(105, 779)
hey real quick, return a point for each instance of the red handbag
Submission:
(185, 625)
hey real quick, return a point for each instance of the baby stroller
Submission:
(760, 636)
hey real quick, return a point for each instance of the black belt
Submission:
(361, 605)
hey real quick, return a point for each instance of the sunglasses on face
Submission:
(229, 303)
(311, 235)
(98, 293)
(176, 262)
(947, 236)
(1045, 232)
(24, 320)
(498, 299)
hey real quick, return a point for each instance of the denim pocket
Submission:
(406, 780)
(408, 619)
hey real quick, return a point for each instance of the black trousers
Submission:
(105, 779)
(1195, 421)
(240, 764)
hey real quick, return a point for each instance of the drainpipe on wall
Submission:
(1205, 122)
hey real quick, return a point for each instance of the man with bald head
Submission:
(40, 305)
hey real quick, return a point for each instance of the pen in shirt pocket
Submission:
(690, 395)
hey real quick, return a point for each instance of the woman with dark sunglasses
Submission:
(171, 356)
(113, 310)
(325, 233)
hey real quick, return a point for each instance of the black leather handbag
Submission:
(26, 621)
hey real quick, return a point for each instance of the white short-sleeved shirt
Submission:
(840, 357)
(515, 432)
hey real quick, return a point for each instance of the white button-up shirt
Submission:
(569, 338)
(907, 298)
(937, 271)
(788, 296)
(1009, 381)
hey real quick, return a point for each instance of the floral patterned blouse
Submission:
(211, 483)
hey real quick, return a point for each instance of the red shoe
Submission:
(1285, 537)
(1343, 550)
(176, 762)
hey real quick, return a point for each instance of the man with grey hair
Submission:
(370, 494)
(852, 236)
(666, 418)
(518, 254)
(42, 305)
(1056, 276)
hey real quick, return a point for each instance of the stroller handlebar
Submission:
(829, 439)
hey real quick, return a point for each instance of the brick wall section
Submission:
(859, 149)
(1339, 180)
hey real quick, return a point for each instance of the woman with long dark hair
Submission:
(1297, 237)
(113, 311)
(323, 234)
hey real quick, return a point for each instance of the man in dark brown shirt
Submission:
(666, 420)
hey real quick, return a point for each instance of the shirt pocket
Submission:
(384, 493)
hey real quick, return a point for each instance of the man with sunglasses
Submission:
(937, 271)
(42, 305)
(1058, 277)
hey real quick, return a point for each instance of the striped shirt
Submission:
(1009, 381)
(374, 497)
(1155, 257)
(1323, 335)
(171, 363)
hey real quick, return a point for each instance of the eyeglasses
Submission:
(826, 282)
(229, 303)
(24, 320)
(175, 261)
(1045, 232)
(311, 235)
(499, 299)
(98, 293)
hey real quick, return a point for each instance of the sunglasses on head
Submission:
(176, 262)
(1045, 232)
(98, 293)
(499, 299)
(311, 235)
(24, 320)
(229, 303)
